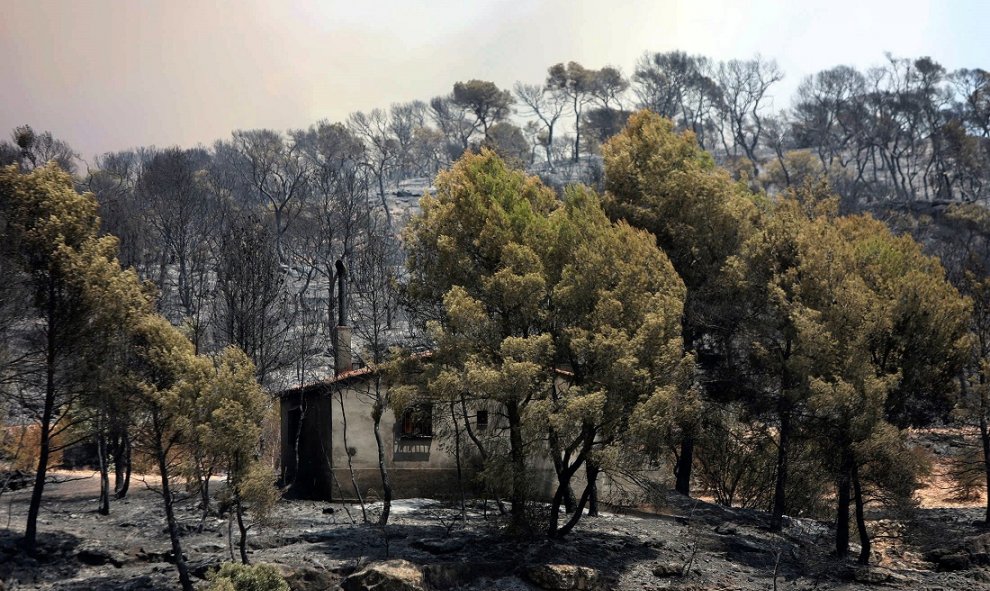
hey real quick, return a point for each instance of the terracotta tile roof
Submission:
(361, 372)
(347, 376)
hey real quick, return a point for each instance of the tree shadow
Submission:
(932, 529)
(109, 583)
(53, 560)
(479, 551)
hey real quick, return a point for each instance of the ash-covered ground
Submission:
(689, 544)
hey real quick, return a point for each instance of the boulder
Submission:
(202, 568)
(953, 562)
(95, 555)
(668, 568)
(561, 577)
(871, 575)
(391, 575)
(978, 544)
(448, 575)
(747, 544)
(438, 545)
(936, 554)
(311, 579)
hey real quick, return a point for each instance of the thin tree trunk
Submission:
(481, 448)
(984, 439)
(842, 514)
(382, 468)
(173, 527)
(31, 531)
(457, 459)
(684, 463)
(101, 449)
(126, 455)
(518, 459)
(204, 493)
(780, 483)
(592, 471)
(864, 536)
(116, 450)
(559, 467)
(563, 488)
(549, 147)
(564, 476)
(585, 496)
(350, 463)
(242, 541)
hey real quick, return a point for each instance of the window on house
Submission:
(482, 420)
(417, 421)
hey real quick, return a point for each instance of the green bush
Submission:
(242, 577)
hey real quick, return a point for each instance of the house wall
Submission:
(324, 422)
(417, 466)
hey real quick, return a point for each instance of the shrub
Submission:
(243, 577)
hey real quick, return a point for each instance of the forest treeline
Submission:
(708, 304)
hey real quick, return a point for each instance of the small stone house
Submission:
(327, 434)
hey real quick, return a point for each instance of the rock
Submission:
(210, 548)
(98, 556)
(953, 562)
(560, 577)
(447, 575)
(392, 575)
(726, 529)
(329, 511)
(438, 545)
(747, 545)
(153, 556)
(668, 569)
(311, 579)
(936, 554)
(202, 568)
(343, 570)
(978, 544)
(872, 575)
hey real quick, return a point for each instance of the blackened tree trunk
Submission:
(47, 417)
(780, 482)
(592, 471)
(585, 496)
(122, 464)
(683, 468)
(173, 527)
(101, 448)
(559, 466)
(984, 438)
(864, 536)
(518, 459)
(457, 459)
(564, 475)
(842, 513)
(382, 468)
(241, 528)
(350, 461)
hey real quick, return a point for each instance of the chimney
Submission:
(341, 334)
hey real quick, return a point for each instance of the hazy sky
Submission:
(111, 74)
